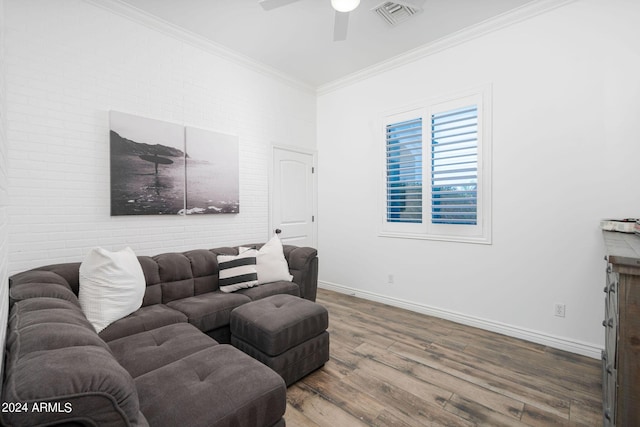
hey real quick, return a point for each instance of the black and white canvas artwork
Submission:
(213, 176)
(150, 168)
(147, 166)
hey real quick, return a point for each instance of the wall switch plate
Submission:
(559, 310)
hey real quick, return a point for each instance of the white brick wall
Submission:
(4, 196)
(69, 63)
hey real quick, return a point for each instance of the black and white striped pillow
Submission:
(237, 271)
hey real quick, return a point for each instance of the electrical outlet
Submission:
(390, 279)
(559, 310)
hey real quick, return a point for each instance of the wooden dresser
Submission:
(621, 356)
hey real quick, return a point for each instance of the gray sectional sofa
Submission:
(167, 364)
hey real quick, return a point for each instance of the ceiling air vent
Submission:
(394, 12)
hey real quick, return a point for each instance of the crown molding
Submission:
(522, 13)
(148, 20)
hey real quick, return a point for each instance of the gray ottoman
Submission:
(284, 332)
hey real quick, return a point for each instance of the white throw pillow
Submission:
(237, 271)
(272, 265)
(112, 286)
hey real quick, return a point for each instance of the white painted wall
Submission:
(566, 102)
(69, 63)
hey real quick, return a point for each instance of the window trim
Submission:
(480, 233)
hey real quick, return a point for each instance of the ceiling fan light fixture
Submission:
(345, 5)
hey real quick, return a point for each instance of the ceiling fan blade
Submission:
(272, 4)
(340, 26)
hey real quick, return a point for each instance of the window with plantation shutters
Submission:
(437, 174)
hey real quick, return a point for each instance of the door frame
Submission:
(314, 184)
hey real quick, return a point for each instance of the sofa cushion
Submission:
(218, 386)
(143, 319)
(48, 324)
(146, 351)
(39, 310)
(112, 286)
(176, 276)
(204, 265)
(168, 277)
(29, 290)
(52, 336)
(268, 289)
(56, 273)
(211, 310)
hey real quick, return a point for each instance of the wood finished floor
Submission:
(392, 367)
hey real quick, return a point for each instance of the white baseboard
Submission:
(560, 343)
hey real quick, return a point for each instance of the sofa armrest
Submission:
(81, 384)
(303, 265)
(57, 370)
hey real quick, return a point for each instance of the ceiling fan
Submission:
(341, 21)
(392, 12)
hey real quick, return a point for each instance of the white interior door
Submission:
(293, 196)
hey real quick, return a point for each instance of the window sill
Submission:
(482, 240)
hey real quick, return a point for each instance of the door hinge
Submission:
(313, 169)
(313, 218)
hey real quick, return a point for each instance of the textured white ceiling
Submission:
(297, 39)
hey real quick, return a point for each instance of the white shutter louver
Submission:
(404, 171)
(454, 166)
